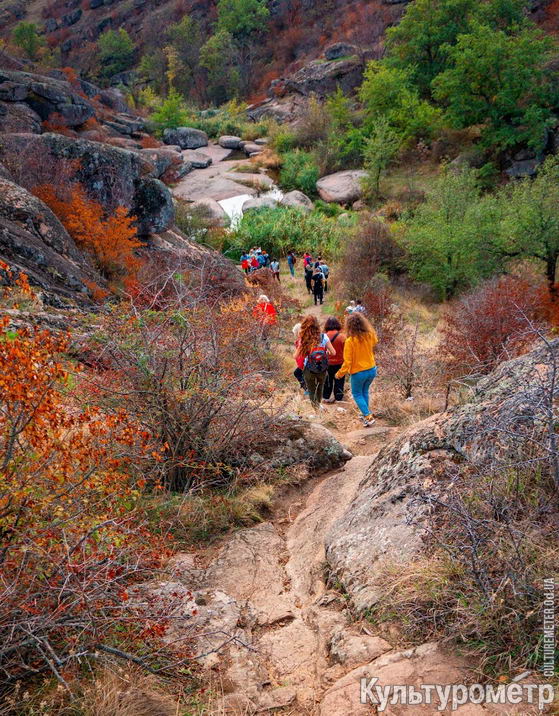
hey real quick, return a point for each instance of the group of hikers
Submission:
(258, 258)
(325, 355)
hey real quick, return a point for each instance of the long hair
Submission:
(357, 326)
(309, 336)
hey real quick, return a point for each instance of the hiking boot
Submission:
(368, 421)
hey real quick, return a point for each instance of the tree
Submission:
(389, 92)
(420, 41)
(380, 149)
(171, 113)
(499, 81)
(27, 38)
(116, 52)
(450, 237)
(416, 43)
(217, 57)
(110, 240)
(530, 222)
(240, 18)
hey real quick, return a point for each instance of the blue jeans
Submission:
(360, 384)
(291, 268)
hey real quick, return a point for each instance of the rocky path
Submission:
(280, 635)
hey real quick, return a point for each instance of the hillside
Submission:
(301, 30)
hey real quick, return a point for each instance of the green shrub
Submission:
(299, 171)
(284, 228)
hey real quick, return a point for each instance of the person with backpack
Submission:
(318, 285)
(313, 349)
(334, 387)
(291, 261)
(359, 362)
(245, 262)
(308, 277)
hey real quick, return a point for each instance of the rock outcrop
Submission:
(386, 520)
(46, 96)
(110, 175)
(33, 240)
(186, 137)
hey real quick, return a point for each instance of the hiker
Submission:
(245, 262)
(334, 387)
(326, 272)
(261, 259)
(265, 311)
(318, 285)
(350, 308)
(359, 307)
(291, 261)
(359, 361)
(254, 264)
(275, 268)
(266, 258)
(298, 372)
(313, 347)
(307, 259)
(308, 276)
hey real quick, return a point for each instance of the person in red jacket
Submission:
(267, 316)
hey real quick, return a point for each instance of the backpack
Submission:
(317, 360)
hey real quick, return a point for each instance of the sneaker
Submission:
(330, 400)
(368, 421)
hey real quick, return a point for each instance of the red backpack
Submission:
(317, 360)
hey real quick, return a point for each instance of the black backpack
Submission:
(317, 360)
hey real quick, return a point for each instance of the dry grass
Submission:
(128, 693)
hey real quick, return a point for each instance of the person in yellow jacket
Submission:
(359, 361)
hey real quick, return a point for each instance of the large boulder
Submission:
(47, 96)
(153, 206)
(390, 513)
(186, 137)
(342, 187)
(229, 142)
(111, 176)
(34, 241)
(324, 78)
(297, 200)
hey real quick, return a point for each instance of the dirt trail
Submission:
(300, 649)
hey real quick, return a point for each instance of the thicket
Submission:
(282, 229)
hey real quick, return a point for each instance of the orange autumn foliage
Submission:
(71, 538)
(110, 240)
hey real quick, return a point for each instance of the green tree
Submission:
(299, 171)
(153, 70)
(27, 38)
(499, 81)
(389, 92)
(450, 238)
(116, 52)
(530, 222)
(171, 114)
(380, 149)
(419, 43)
(218, 57)
(240, 18)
